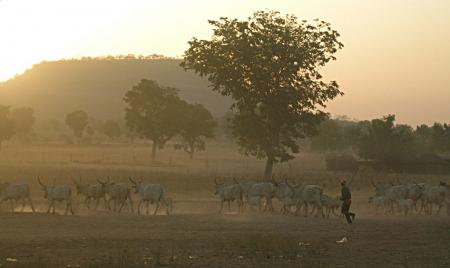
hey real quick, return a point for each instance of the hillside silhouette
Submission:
(98, 85)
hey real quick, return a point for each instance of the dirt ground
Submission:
(196, 235)
(204, 238)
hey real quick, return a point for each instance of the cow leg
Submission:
(439, 209)
(158, 204)
(31, 203)
(49, 207)
(131, 203)
(139, 207)
(24, 201)
(97, 202)
(71, 208)
(122, 204)
(147, 207)
(67, 207)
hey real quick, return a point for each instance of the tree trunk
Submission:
(154, 145)
(191, 152)
(268, 169)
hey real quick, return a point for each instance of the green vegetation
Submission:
(197, 123)
(269, 65)
(6, 124)
(77, 121)
(383, 140)
(157, 113)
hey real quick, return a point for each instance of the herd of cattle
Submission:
(390, 198)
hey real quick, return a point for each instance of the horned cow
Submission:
(15, 193)
(229, 193)
(90, 192)
(57, 193)
(151, 193)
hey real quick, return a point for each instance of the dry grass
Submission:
(196, 235)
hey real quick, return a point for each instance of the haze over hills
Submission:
(98, 86)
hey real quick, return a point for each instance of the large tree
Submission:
(197, 124)
(153, 112)
(6, 124)
(77, 122)
(270, 66)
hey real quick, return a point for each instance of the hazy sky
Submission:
(396, 57)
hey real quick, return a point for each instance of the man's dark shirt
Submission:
(345, 193)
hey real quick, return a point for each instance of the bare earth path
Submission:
(212, 240)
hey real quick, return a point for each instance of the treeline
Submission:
(382, 139)
(123, 57)
(153, 112)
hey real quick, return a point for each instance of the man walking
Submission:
(346, 197)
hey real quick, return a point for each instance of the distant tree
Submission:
(383, 140)
(6, 124)
(77, 122)
(269, 64)
(23, 120)
(111, 129)
(424, 138)
(440, 137)
(197, 123)
(153, 112)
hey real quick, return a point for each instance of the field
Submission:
(196, 235)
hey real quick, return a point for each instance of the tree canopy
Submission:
(197, 123)
(153, 112)
(77, 122)
(270, 65)
(112, 129)
(6, 124)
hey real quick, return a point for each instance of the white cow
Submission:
(15, 193)
(306, 195)
(406, 205)
(392, 193)
(229, 193)
(57, 193)
(151, 193)
(90, 192)
(436, 196)
(263, 190)
(119, 193)
(330, 204)
(379, 202)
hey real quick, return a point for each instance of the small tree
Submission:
(269, 64)
(77, 122)
(197, 123)
(111, 129)
(6, 124)
(153, 112)
(440, 137)
(24, 120)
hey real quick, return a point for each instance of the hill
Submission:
(98, 85)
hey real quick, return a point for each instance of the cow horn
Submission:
(236, 181)
(132, 180)
(40, 182)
